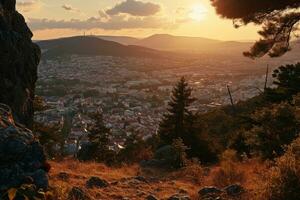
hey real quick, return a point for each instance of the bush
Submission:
(273, 127)
(283, 180)
(192, 171)
(180, 151)
(228, 173)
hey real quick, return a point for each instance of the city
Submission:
(132, 93)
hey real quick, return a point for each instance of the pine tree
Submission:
(99, 133)
(99, 137)
(180, 123)
(178, 119)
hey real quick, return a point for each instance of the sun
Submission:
(198, 12)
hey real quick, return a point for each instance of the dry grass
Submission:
(163, 185)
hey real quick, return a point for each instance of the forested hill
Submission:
(92, 46)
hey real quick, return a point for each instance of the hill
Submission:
(193, 44)
(125, 40)
(93, 46)
(167, 42)
(152, 47)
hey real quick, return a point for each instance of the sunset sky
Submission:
(138, 18)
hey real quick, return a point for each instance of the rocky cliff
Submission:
(22, 158)
(19, 58)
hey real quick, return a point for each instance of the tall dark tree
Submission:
(175, 123)
(279, 20)
(98, 132)
(99, 138)
(180, 123)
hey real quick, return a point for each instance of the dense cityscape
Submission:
(132, 93)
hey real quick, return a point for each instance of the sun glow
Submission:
(198, 12)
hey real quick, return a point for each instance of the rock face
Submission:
(22, 158)
(19, 58)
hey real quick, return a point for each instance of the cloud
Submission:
(113, 23)
(70, 8)
(134, 8)
(28, 5)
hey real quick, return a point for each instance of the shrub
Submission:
(228, 173)
(192, 171)
(283, 180)
(273, 127)
(181, 156)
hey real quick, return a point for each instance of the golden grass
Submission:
(190, 179)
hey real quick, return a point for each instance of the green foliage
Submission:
(49, 136)
(180, 151)
(175, 122)
(98, 149)
(287, 80)
(283, 180)
(135, 150)
(180, 123)
(273, 127)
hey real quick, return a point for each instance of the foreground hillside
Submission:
(132, 182)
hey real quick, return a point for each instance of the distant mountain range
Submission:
(185, 44)
(88, 45)
(154, 46)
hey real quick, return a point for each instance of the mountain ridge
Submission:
(89, 45)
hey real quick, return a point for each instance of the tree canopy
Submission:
(279, 20)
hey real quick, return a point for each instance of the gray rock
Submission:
(234, 189)
(180, 197)
(211, 190)
(78, 194)
(141, 179)
(151, 197)
(63, 176)
(22, 158)
(96, 182)
(40, 179)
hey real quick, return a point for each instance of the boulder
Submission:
(77, 193)
(209, 191)
(141, 179)
(180, 197)
(96, 182)
(234, 189)
(22, 158)
(151, 197)
(63, 176)
(19, 58)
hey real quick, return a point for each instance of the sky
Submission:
(138, 18)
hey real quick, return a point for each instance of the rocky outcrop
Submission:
(22, 158)
(214, 193)
(19, 58)
(96, 182)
